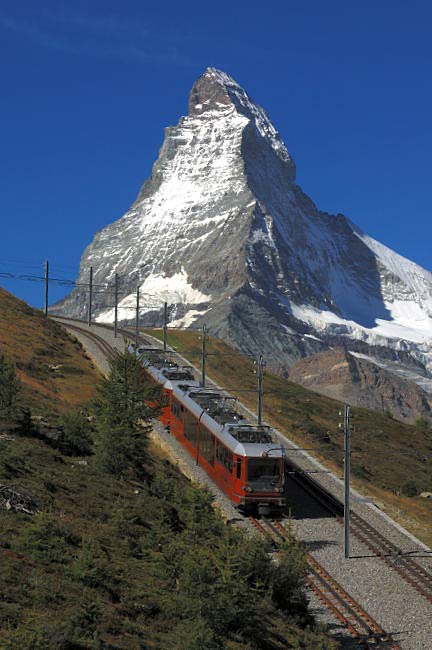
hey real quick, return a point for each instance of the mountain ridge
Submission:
(223, 233)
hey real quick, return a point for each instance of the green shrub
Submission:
(411, 489)
(25, 423)
(423, 423)
(124, 396)
(93, 568)
(45, 539)
(75, 435)
(123, 414)
(12, 463)
(84, 621)
(26, 639)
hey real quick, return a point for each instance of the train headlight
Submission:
(248, 489)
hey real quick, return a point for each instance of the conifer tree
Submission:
(126, 397)
(124, 407)
(9, 387)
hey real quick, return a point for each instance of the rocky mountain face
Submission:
(222, 232)
(357, 379)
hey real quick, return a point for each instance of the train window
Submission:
(176, 408)
(261, 470)
(225, 457)
(206, 445)
(190, 427)
(238, 467)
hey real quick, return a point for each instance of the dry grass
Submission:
(388, 457)
(55, 373)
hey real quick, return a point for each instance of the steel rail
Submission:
(410, 570)
(100, 342)
(334, 597)
(346, 610)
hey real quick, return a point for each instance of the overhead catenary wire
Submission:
(150, 302)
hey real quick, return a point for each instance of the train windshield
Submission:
(264, 471)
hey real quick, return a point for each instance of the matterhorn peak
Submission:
(217, 91)
(210, 92)
(222, 232)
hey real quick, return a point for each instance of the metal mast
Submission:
(46, 287)
(137, 316)
(165, 327)
(203, 355)
(90, 297)
(347, 459)
(115, 304)
(260, 364)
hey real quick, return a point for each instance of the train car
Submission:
(240, 456)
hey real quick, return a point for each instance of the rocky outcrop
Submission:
(361, 382)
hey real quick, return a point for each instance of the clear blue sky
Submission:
(87, 88)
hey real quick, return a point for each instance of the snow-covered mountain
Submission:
(223, 233)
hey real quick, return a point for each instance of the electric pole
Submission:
(137, 316)
(347, 450)
(260, 364)
(165, 327)
(46, 286)
(203, 355)
(115, 304)
(90, 297)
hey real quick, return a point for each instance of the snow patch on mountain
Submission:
(174, 289)
(408, 322)
(154, 291)
(189, 318)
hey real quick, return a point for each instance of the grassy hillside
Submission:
(112, 564)
(115, 549)
(390, 460)
(54, 371)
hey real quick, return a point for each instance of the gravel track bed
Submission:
(97, 356)
(378, 588)
(393, 603)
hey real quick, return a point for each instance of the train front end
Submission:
(264, 487)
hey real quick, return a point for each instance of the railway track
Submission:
(333, 596)
(99, 341)
(410, 570)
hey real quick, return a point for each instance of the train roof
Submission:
(212, 407)
(231, 434)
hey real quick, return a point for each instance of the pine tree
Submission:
(75, 435)
(124, 407)
(9, 387)
(126, 396)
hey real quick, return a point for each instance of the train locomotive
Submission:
(240, 456)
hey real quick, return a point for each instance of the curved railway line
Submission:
(332, 595)
(99, 341)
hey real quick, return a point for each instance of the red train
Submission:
(239, 456)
